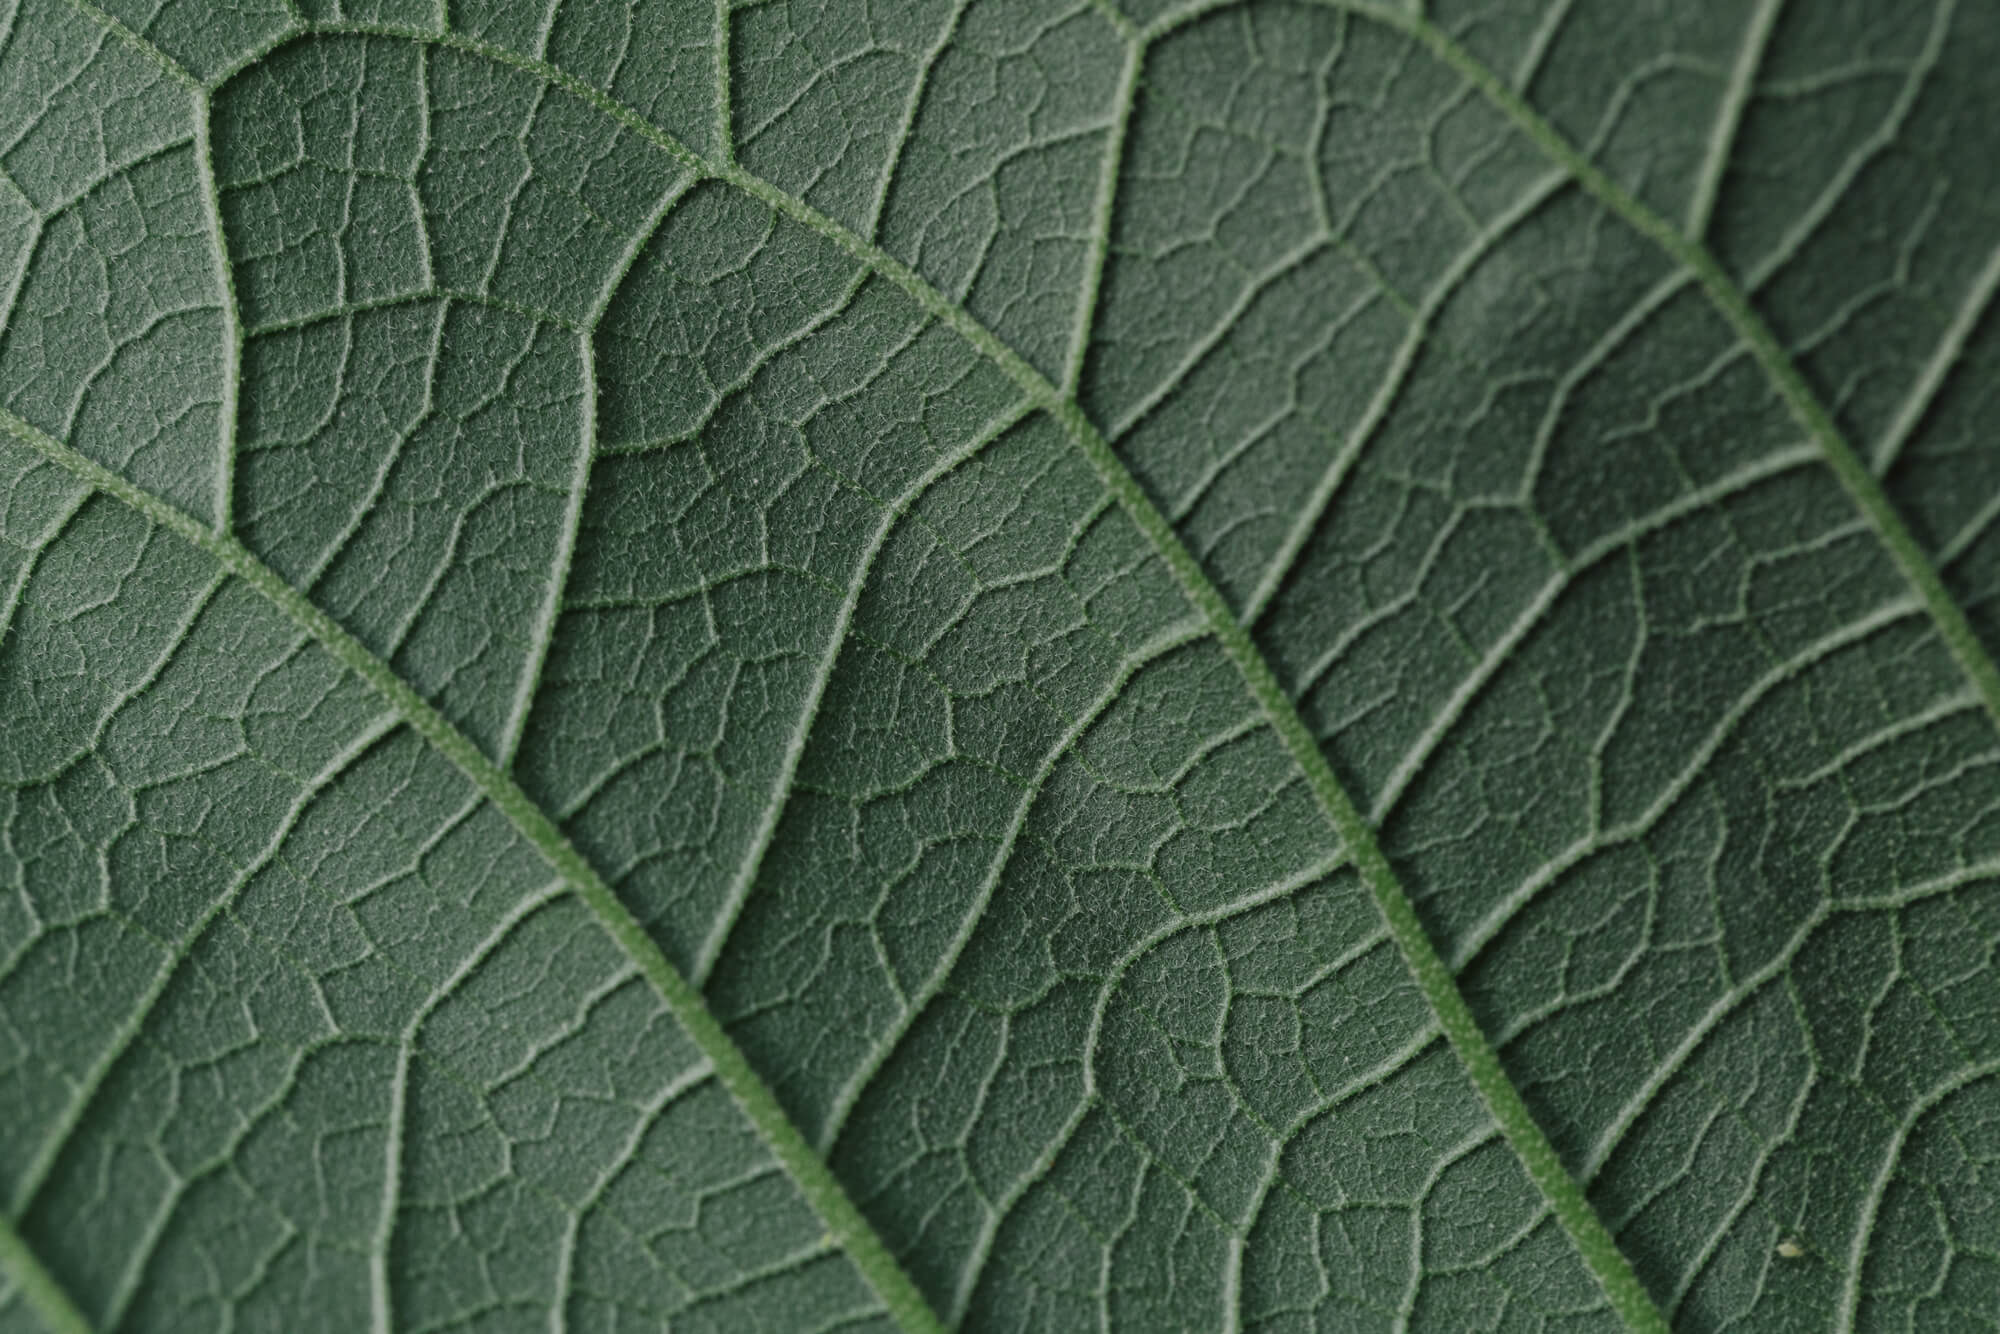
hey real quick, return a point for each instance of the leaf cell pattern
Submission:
(1014, 663)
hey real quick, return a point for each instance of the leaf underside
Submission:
(1006, 663)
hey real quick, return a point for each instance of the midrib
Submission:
(814, 1177)
(1565, 1197)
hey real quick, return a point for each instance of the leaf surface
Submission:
(1013, 663)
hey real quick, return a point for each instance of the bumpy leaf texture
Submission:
(1041, 665)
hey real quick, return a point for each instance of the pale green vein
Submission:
(176, 71)
(1868, 150)
(1566, 1198)
(422, 296)
(542, 629)
(1729, 115)
(36, 1285)
(1388, 391)
(1979, 295)
(1090, 291)
(549, 614)
(783, 783)
(1544, 37)
(1116, 17)
(816, 1182)
(1878, 1187)
(1730, 301)
(905, 128)
(232, 321)
(381, 1297)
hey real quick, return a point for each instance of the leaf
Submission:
(1014, 663)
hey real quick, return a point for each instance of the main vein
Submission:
(1564, 1195)
(822, 1191)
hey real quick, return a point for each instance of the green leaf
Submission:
(1007, 663)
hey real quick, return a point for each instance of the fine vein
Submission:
(232, 322)
(1729, 116)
